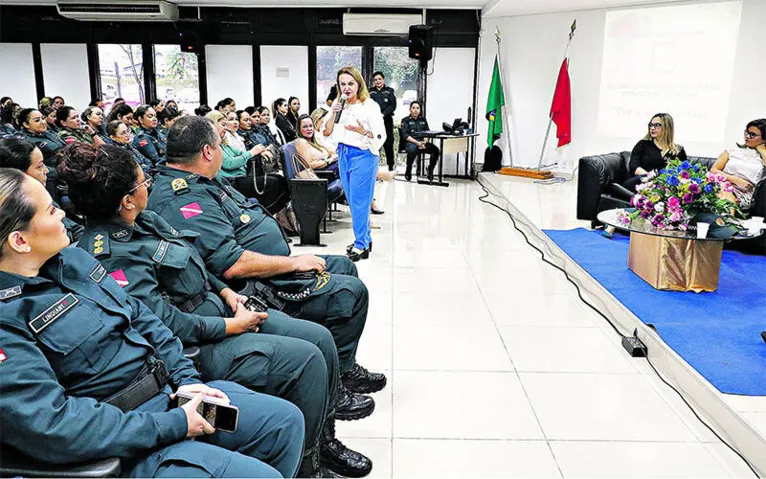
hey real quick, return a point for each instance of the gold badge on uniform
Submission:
(98, 250)
(244, 218)
(322, 279)
(98, 243)
(99, 237)
(179, 184)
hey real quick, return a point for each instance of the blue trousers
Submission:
(268, 442)
(358, 169)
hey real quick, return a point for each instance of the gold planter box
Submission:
(675, 264)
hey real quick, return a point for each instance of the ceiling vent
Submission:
(379, 24)
(118, 10)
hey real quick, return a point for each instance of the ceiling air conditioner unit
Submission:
(118, 10)
(380, 24)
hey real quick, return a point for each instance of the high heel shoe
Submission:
(356, 256)
(351, 247)
(376, 211)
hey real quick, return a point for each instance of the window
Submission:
(401, 73)
(122, 73)
(329, 61)
(176, 76)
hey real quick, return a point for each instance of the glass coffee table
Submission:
(671, 259)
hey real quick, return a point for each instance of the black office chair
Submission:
(16, 464)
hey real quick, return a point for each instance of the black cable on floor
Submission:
(483, 199)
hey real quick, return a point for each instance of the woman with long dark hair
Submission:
(359, 134)
(149, 140)
(745, 165)
(287, 127)
(293, 110)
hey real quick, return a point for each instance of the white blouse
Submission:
(368, 114)
(745, 162)
(235, 140)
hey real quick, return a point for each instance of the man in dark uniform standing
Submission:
(386, 98)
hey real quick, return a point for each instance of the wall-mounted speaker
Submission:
(421, 42)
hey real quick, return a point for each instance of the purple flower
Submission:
(688, 198)
(684, 174)
(694, 188)
(673, 202)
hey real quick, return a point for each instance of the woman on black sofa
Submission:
(745, 165)
(653, 152)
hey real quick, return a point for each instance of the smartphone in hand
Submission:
(222, 416)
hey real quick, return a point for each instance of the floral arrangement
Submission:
(678, 193)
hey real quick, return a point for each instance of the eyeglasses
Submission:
(655, 125)
(147, 183)
(750, 135)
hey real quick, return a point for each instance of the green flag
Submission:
(495, 103)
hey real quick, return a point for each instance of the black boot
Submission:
(334, 455)
(351, 246)
(311, 466)
(360, 380)
(408, 170)
(351, 406)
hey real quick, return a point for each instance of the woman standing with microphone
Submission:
(356, 126)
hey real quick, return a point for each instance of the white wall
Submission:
(65, 73)
(285, 73)
(17, 73)
(532, 51)
(450, 92)
(230, 74)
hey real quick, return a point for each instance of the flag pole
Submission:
(524, 172)
(550, 116)
(506, 130)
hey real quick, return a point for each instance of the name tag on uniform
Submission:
(162, 249)
(54, 312)
(98, 273)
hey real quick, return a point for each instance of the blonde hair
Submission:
(362, 94)
(313, 140)
(215, 116)
(665, 140)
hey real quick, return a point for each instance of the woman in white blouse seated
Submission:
(359, 134)
(745, 165)
(314, 155)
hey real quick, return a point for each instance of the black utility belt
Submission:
(150, 381)
(191, 304)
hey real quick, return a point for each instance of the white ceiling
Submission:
(507, 8)
(492, 8)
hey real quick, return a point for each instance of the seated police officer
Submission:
(415, 145)
(34, 129)
(295, 360)
(89, 372)
(239, 242)
(24, 156)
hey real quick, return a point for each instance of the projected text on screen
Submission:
(676, 60)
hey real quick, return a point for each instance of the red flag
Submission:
(561, 109)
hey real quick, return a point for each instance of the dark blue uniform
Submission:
(412, 127)
(229, 224)
(156, 264)
(386, 98)
(144, 162)
(71, 338)
(151, 143)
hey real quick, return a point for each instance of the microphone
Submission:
(343, 98)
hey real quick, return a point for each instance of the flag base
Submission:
(527, 173)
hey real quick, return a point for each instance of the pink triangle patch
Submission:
(191, 210)
(120, 277)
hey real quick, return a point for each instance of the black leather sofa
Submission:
(599, 189)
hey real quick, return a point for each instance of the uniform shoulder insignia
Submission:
(161, 251)
(100, 247)
(179, 186)
(143, 142)
(98, 273)
(9, 293)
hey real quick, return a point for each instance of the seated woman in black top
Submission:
(282, 121)
(653, 152)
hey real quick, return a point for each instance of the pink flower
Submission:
(675, 217)
(673, 202)
(711, 177)
(728, 187)
(720, 178)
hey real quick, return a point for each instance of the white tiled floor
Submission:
(495, 368)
